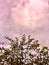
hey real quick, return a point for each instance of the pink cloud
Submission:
(29, 15)
(18, 17)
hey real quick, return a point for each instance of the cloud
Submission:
(31, 18)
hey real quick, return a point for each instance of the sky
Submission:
(25, 17)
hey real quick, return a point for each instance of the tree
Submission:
(25, 51)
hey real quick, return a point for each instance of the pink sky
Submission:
(25, 16)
